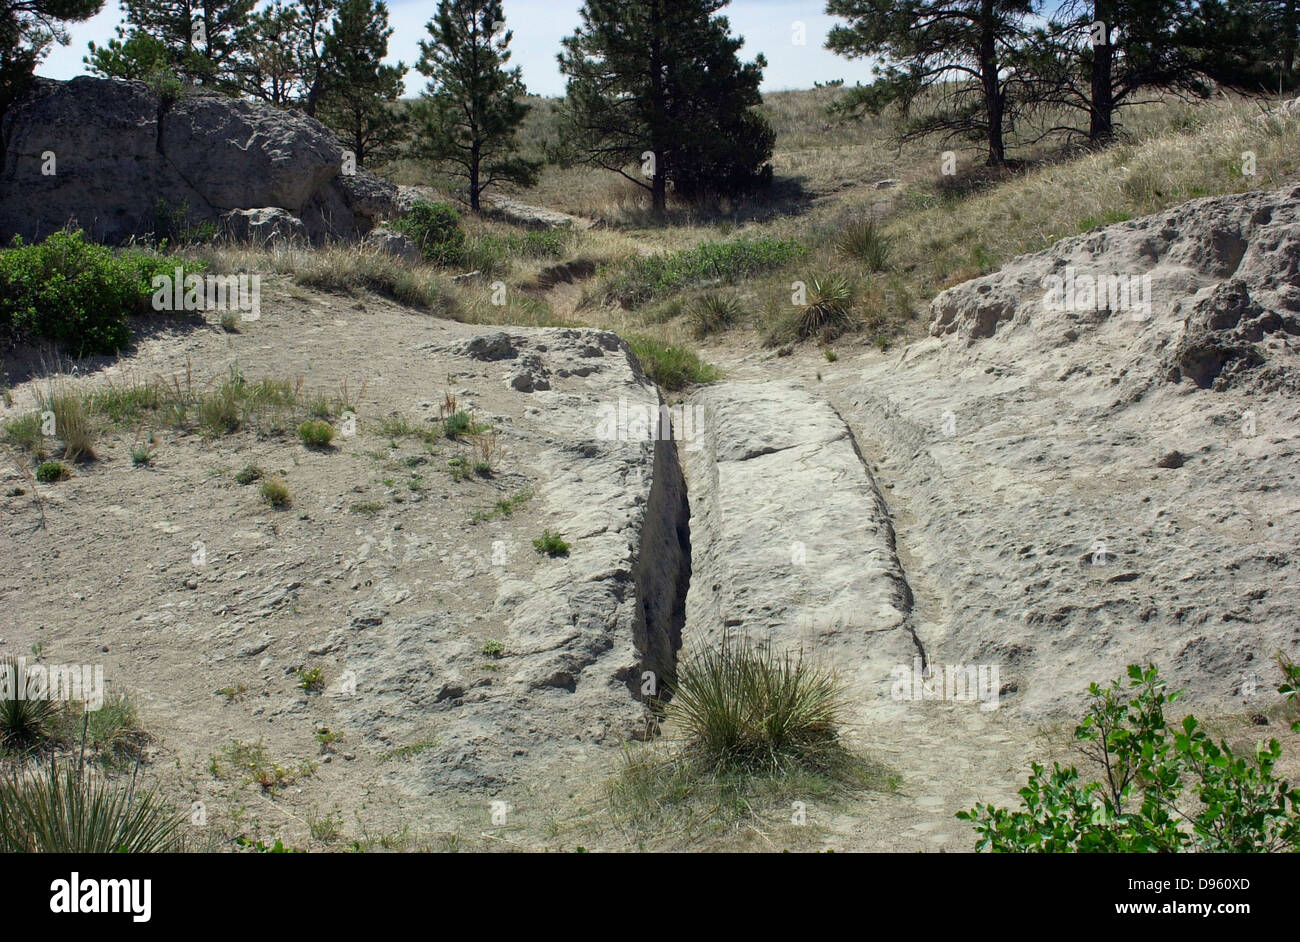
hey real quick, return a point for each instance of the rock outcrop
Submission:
(1099, 447)
(115, 159)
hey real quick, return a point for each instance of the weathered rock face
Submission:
(1099, 447)
(582, 630)
(111, 157)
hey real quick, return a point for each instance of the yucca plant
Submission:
(713, 312)
(745, 707)
(63, 809)
(26, 721)
(829, 308)
(863, 240)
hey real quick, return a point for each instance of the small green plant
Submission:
(47, 472)
(1162, 788)
(141, 455)
(503, 507)
(406, 752)
(831, 355)
(326, 828)
(25, 433)
(551, 544)
(714, 312)
(249, 474)
(232, 692)
(670, 366)
(313, 680)
(367, 507)
(73, 422)
(230, 322)
(493, 649)
(275, 492)
(458, 424)
(398, 426)
(316, 433)
(252, 761)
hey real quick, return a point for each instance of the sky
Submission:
(768, 26)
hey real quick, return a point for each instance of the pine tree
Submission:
(206, 41)
(470, 113)
(658, 83)
(1097, 57)
(360, 90)
(274, 72)
(27, 30)
(965, 47)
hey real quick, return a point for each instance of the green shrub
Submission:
(250, 474)
(1162, 788)
(435, 228)
(316, 433)
(76, 293)
(670, 366)
(459, 423)
(743, 707)
(646, 277)
(63, 810)
(552, 544)
(47, 472)
(275, 492)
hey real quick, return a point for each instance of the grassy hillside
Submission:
(869, 257)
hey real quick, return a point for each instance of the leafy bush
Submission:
(63, 810)
(743, 707)
(316, 433)
(76, 293)
(552, 544)
(275, 492)
(47, 472)
(671, 367)
(249, 474)
(1162, 789)
(435, 228)
(650, 276)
